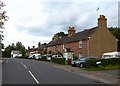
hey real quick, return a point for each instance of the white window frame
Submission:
(80, 44)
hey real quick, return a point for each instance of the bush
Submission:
(104, 62)
(75, 57)
(91, 63)
(43, 58)
(58, 60)
(112, 61)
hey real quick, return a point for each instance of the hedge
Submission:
(104, 62)
(58, 60)
(43, 58)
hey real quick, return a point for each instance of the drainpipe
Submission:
(88, 44)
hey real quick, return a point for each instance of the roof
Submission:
(76, 37)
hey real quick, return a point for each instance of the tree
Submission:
(3, 18)
(18, 47)
(116, 32)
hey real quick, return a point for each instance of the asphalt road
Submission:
(25, 71)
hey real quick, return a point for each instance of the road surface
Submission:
(27, 71)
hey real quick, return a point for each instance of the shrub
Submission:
(91, 63)
(58, 60)
(104, 62)
(43, 58)
(112, 61)
(75, 57)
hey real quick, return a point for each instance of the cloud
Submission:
(34, 21)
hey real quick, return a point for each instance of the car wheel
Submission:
(81, 65)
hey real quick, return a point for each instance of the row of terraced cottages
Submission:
(90, 42)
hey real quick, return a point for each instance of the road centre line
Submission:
(25, 66)
(34, 77)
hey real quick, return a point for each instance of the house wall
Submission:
(102, 41)
(74, 47)
(60, 48)
(52, 49)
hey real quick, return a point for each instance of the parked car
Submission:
(48, 57)
(35, 56)
(111, 55)
(57, 56)
(82, 61)
(30, 57)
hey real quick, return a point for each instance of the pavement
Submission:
(106, 76)
(1, 61)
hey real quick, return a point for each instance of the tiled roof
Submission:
(76, 37)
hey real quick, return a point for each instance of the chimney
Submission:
(102, 22)
(28, 47)
(33, 47)
(39, 44)
(71, 31)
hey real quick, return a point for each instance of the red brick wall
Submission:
(74, 46)
(52, 48)
(60, 48)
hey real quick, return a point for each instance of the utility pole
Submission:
(1, 35)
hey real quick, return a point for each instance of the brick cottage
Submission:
(90, 42)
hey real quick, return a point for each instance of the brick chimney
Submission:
(39, 44)
(28, 47)
(33, 47)
(71, 31)
(102, 22)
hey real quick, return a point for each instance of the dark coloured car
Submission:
(82, 61)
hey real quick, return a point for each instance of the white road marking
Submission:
(7, 61)
(33, 77)
(25, 66)
(21, 62)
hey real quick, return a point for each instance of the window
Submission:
(80, 44)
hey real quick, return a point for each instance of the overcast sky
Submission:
(33, 21)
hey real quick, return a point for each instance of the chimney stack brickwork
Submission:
(102, 22)
(71, 31)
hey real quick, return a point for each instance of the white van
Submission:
(111, 55)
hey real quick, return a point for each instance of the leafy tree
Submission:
(3, 16)
(116, 32)
(61, 34)
(7, 52)
(18, 46)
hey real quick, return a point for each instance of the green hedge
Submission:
(58, 60)
(112, 61)
(43, 58)
(104, 62)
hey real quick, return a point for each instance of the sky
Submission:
(33, 21)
